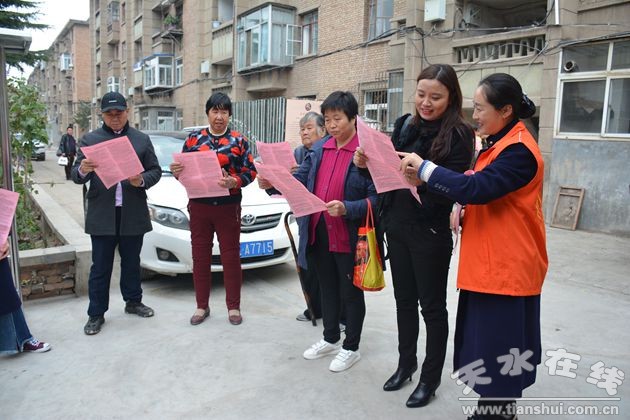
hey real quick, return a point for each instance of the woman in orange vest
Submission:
(503, 257)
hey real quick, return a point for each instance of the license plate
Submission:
(256, 249)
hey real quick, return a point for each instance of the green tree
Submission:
(83, 115)
(22, 14)
(27, 122)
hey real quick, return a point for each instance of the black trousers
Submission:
(419, 257)
(103, 248)
(68, 167)
(335, 271)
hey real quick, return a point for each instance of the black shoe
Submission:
(139, 309)
(422, 395)
(303, 316)
(398, 378)
(93, 326)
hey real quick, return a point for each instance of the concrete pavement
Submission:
(162, 367)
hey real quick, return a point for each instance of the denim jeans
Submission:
(13, 332)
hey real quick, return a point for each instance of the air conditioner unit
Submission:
(204, 68)
(474, 14)
(434, 10)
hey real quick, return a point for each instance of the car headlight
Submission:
(169, 217)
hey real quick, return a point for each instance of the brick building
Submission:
(168, 56)
(65, 80)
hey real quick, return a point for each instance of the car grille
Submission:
(268, 221)
(216, 259)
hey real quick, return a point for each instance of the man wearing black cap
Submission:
(68, 148)
(118, 216)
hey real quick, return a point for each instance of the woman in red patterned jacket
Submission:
(218, 214)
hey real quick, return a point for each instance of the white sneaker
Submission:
(320, 349)
(344, 360)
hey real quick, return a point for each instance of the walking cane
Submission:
(307, 298)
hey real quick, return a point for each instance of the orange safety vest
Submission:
(503, 247)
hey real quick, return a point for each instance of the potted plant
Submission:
(171, 21)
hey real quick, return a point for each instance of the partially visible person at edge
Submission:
(418, 235)
(503, 257)
(118, 216)
(68, 148)
(312, 129)
(218, 214)
(331, 236)
(15, 336)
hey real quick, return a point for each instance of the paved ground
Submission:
(164, 368)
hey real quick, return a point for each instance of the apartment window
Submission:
(179, 120)
(179, 71)
(375, 107)
(123, 13)
(394, 98)
(123, 84)
(138, 7)
(123, 51)
(263, 37)
(158, 72)
(113, 9)
(113, 84)
(65, 61)
(595, 89)
(225, 10)
(165, 121)
(381, 11)
(309, 33)
(144, 120)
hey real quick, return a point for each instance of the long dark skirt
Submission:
(490, 327)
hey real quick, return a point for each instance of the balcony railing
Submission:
(137, 77)
(499, 46)
(222, 43)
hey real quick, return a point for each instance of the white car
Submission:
(167, 248)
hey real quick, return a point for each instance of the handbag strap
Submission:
(369, 216)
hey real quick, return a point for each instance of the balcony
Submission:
(222, 45)
(113, 33)
(113, 67)
(67, 72)
(137, 78)
(500, 46)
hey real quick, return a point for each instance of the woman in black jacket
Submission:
(418, 235)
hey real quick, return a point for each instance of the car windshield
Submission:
(164, 147)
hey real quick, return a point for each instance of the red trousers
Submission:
(225, 220)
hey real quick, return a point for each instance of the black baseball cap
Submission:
(113, 100)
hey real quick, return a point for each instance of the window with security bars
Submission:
(375, 107)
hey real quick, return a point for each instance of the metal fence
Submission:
(260, 120)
